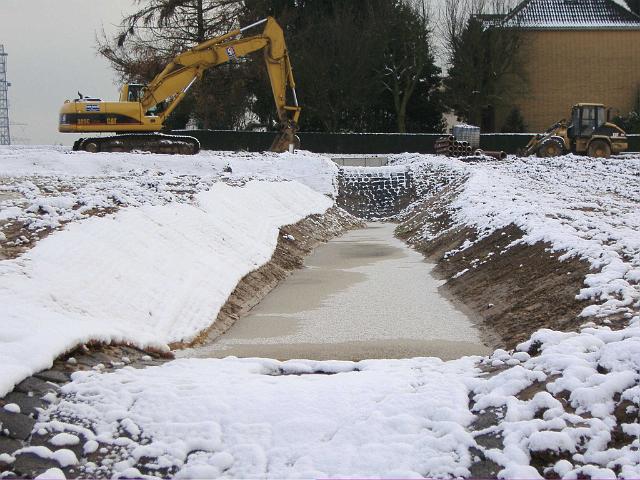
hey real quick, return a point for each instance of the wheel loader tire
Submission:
(90, 147)
(550, 148)
(599, 149)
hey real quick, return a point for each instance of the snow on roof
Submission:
(572, 14)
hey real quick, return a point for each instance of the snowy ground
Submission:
(158, 269)
(586, 208)
(46, 187)
(265, 419)
(299, 419)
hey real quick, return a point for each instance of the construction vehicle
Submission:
(140, 115)
(589, 133)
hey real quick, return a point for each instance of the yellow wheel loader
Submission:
(139, 116)
(589, 133)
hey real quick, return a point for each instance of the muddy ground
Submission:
(510, 293)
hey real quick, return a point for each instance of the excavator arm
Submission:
(172, 84)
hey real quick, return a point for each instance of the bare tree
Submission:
(160, 29)
(178, 22)
(455, 15)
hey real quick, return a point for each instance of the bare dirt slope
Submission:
(513, 294)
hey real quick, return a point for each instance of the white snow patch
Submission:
(149, 275)
(52, 474)
(549, 440)
(63, 439)
(248, 419)
(12, 407)
(64, 456)
(90, 447)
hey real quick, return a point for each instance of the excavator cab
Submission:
(132, 92)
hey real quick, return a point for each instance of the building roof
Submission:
(571, 14)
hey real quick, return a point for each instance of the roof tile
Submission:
(575, 14)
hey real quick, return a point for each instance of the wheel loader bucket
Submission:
(530, 148)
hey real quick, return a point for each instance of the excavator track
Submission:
(142, 142)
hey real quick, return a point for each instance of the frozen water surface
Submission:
(363, 295)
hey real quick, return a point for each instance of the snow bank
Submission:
(255, 418)
(44, 187)
(588, 208)
(587, 374)
(314, 170)
(149, 275)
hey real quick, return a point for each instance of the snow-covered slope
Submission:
(152, 273)
(584, 207)
(313, 170)
(52, 186)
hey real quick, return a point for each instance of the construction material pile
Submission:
(450, 147)
(468, 133)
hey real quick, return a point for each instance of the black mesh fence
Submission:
(359, 143)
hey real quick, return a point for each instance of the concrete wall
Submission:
(356, 161)
(566, 67)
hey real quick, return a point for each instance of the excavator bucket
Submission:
(286, 140)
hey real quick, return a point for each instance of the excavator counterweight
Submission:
(138, 118)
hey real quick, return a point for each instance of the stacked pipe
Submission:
(451, 147)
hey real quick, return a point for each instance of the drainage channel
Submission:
(363, 295)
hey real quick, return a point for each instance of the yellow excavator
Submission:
(139, 116)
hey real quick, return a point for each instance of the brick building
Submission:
(576, 51)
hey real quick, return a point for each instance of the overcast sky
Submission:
(52, 55)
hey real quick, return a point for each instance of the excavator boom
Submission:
(145, 108)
